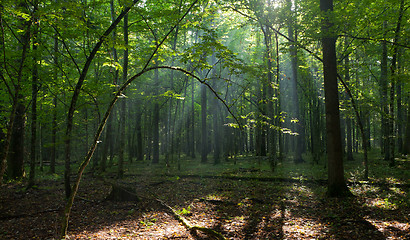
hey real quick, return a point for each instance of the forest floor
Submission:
(240, 200)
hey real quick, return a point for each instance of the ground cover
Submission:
(242, 200)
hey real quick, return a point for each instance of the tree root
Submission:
(192, 228)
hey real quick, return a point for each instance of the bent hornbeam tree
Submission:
(76, 94)
(71, 192)
(91, 151)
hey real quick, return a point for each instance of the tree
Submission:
(34, 89)
(204, 131)
(12, 157)
(336, 182)
(292, 34)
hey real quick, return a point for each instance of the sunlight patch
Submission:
(382, 203)
(386, 226)
(238, 222)
(304, 228)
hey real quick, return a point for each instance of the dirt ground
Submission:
(236, 208)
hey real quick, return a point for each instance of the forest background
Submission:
(276, 80)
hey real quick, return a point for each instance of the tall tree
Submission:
(336, 182)
(120, 172)
(15, 162)
(292, 34)
(393, 69)
(155, 121)
(204, 129)
(34, 89)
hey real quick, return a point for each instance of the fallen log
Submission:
(192, 228)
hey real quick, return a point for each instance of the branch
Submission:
(190, 74)
(208, 231)
(375, 39)
(169, 32)
(281, 34)
(66, 47)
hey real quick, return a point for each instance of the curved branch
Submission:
(169, 32)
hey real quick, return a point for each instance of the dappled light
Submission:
(239, 206)
(200, 120)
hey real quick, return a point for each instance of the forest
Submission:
(204, 119)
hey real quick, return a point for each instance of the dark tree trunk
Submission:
(384, 100)
(74, 99)
(400, 119)
(123, 113)
(155, 125)
(139, 149)
(16, 124)
(15, 168)
(406, 147)
(393, 70)
(348, 121)
(294, 92)
(204, 133)
(192, 120)
(336, 183)
(34, 88)
(269, 91)
(216, 130)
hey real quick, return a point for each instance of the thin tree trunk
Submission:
(348, 121)
(406, 147)
(204, 133)
(400, 119)
(192, 119)
(294, 92)
(14, 146)
(120, 171)
(155, 122)
(76, 94)
(216, 129)
(384, 100)
(393, 69)
(34, 88)
(73, 193)
(54, 121)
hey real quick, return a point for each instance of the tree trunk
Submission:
(384, 100)
(16, 122)
(120, 171)
(192, 120)
(216, 129)
(269, 91)
(76, 94)
(204, 133)
(393, 69)
(294, 92)
(406, 147)
(348, 121)
(139, 148)
(15, 168)
(34, 88)
(400, 118)
(155, 127)
(336, 183)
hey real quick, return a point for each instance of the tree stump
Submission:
(122, 193)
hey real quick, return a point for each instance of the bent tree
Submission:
(73, 191)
